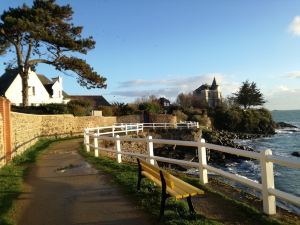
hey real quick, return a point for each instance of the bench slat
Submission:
(174, 186)
(186, 186)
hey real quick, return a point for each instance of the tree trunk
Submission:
(24, 76)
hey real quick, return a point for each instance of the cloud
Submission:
(283, 98)
(170, 88)
(294, 26)
(293, 74)
(144, 93)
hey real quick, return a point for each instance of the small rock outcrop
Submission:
(282, 125)
(297, 154)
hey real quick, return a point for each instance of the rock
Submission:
(297, 154)
(281, 125)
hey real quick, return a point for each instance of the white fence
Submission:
(185, 124)
(267, 188)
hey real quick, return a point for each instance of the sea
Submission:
(283, 143)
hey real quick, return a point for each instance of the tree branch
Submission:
(35, 61)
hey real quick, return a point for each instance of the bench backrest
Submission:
(155, 172)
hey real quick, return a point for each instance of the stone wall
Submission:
(153, 117)
(163, 118)
(130, 119)
(27, 128)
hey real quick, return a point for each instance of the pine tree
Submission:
(248, 95)
(44, 33)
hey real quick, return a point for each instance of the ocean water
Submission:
(283, 143)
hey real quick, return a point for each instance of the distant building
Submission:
(96, 100)
(164, 103)
(211, 94)
(41, 90)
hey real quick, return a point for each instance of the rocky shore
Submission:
(223, 138)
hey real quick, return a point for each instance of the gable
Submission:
(7, 79)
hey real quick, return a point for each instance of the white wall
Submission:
(57, 88)
(14, 92)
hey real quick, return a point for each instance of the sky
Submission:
(163, 48)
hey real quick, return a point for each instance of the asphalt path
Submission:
(62, 189)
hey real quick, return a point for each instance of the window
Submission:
(31, 90)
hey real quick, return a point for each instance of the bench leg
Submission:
(162, 205)
(139, 175)
(191, 207)
(139, 182)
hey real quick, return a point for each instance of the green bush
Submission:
(153, 107)
(240, 120)
(80, 107)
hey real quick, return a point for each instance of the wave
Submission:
(287, 130)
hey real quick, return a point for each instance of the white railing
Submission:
(185, 124)
(115, 129)
(265, 157)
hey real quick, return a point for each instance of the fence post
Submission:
(150, 149)
(202, 161)
(267, 180)
(87, 140)
(165, 125)
(126, 129)
(118, 149)
(113, 130)
(96, 147)
(137, 128)
(197, 124)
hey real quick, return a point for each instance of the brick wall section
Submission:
(2, 154)
(6, 131)
(27, 128)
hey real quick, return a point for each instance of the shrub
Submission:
(79, 107)
(238, 120)
(107, 110)
(180, 115)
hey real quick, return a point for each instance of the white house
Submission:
(41, 90)
(211, 94)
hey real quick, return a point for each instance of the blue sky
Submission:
(167, 47)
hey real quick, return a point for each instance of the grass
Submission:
(12, 176)
(177, 211)
(249, 212)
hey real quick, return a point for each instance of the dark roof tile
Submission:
(97, 100)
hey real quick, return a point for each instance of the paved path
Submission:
(62, 189)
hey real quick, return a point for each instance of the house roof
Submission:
(49, 83)
(9, 76)
(6, 79)
(96, 100)
(214, 85)
(44, 79)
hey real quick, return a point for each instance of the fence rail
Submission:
(265, 157)
(185, 124)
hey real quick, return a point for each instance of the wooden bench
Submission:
(171, 186)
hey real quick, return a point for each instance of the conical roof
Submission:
(214, 84)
